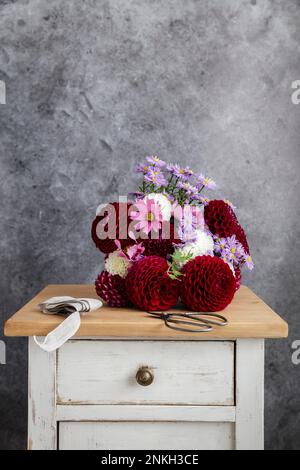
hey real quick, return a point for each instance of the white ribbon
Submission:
(65, 305)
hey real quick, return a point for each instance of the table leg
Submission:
(41, 398)
(249, 394)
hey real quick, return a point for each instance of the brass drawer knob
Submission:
(144, 376)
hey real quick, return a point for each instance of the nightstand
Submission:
(126, 381)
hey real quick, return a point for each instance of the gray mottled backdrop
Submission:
(93, 86)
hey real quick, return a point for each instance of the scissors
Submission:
(194, 322)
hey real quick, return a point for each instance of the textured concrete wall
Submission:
(93, 86)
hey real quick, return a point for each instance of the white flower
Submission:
(203, 244)
(116, 264)
(164, 204)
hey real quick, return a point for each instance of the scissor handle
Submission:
(194, 316)
(209, 321)
(171, 319)
(157, 313)
(169, 322)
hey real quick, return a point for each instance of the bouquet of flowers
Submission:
(168, 241)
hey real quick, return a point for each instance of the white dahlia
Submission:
(164, 204)
(116, 264)
(203, 244)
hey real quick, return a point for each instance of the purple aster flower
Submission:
(174, 169)
(204, 200)
(189, 219)
(142, 168)
(248, 261)
(196, 197)
(181, 173)
(234, 250)
(156, 177)
(187, 234)
(231, 243)
(155, 161)
(205, 182)
(170, 197)
(135, 196)
(188, 188)
(231, 249)
(188, 171)
(219, 245)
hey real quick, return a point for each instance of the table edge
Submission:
(10, 325)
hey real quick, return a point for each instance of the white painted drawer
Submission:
(103, 372)
(146, 435)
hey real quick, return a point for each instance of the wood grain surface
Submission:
(248, 315)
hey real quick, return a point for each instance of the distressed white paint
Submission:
(187, 374)
(146, 435)
(249, 394)
(104, 372)
(41, 398)
(145, 413)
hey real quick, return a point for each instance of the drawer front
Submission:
(146, 435)
(104, 372)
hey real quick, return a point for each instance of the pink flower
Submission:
(147, 215)
(131, 253)
(135, 252)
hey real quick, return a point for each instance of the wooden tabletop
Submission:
(248, 315)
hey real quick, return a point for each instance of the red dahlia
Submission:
(241, 237)
(238, 278)
(149, 287)
(220, 218)
(222, 221)
(208, 284)
(119, 230)
(162, 246)
(111, 289)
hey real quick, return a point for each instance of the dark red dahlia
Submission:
(208, 284)
(241, 237)
(119, 222)
(111, 289)
(220, 218)
(238, 277)
(149, 287)
(162, 246)
(222, 221)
